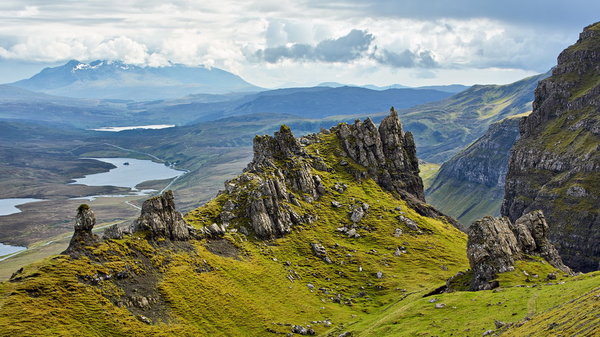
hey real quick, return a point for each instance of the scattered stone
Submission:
(379, 274)
(357, 214)
(439, 305)
(144, 319)
(433, 300)
(336, 204)
(399, 251)
(343, 162)
(487, 333)
(298, 329)
(551, 276)
(409, 223)
(310, 286)
(320, 252)
(397, 232)
(340, 187)
(499, 324)
(352, 233)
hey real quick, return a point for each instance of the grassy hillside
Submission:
(242, 286)
(443, 128)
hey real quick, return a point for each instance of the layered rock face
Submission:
(387, 152)
(85, 221)
(471, 184)
(495, 244)
(160, 218)
(555, 166)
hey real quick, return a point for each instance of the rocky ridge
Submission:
(495, 244)
(388, 153)
(282, 174)
(555, 165)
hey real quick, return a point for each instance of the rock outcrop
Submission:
(389, 155)
(161, 220)
(555, 165)
(85, 220)
(387, 152)
(280, 172)
(471, 184)
(282, 175)
(495, 244)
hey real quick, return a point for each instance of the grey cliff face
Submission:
(476, 175)
(555, 165)
(485, 162)
(495, 244)
(160, 218)
(388, 152)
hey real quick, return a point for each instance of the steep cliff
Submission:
(470, 185)
(555, 165)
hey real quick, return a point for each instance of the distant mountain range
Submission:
(451, 88)
(315, 102)
(117, 80)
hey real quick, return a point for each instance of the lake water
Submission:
(128, 173)
(7, 251)
(124, 128)
(7, 206)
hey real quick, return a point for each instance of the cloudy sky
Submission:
(275, 43)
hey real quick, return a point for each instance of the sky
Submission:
(276, 43)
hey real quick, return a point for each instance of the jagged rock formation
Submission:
(471, 184)
(555, 166)
(84, 223)
(160, 218)
(282, 173)
(495, 244)
(267, 188)
(388, 153)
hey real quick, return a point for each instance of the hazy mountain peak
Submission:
(117, 79)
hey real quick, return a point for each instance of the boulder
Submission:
(160, 218)
(495, 244)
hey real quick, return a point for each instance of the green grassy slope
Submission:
(441, 129)
(465, 201)
(242, 286)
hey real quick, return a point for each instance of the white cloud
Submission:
(223, 33)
